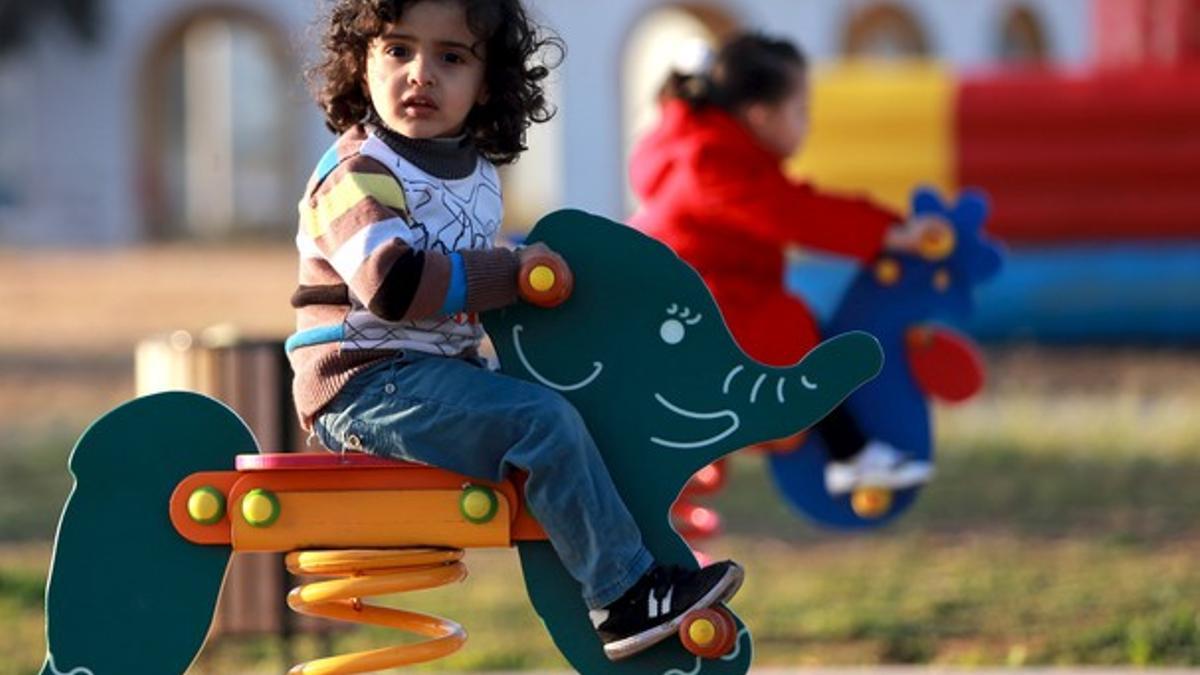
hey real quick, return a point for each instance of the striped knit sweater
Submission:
(396, 253)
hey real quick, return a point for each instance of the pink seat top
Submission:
(315, 460)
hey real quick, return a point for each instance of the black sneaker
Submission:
(652, 610)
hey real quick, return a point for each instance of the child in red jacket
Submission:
(711, 181)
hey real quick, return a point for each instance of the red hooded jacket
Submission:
(721, 201)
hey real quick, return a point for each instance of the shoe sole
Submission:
(880, 485)
(724, 590)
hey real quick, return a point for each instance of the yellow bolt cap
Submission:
(887, 272)
(260, 508)
(206, 505)
(477, 505)
(941, 281)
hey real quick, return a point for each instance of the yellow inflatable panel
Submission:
(370, 519)
(880, 128)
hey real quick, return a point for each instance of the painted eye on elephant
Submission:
(672, 331)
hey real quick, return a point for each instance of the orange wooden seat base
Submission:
(318, 477)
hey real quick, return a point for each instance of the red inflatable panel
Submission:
(1110, 156)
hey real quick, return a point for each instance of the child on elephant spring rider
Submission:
(397, 258)
(711, 181)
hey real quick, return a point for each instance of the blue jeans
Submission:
(457, 415)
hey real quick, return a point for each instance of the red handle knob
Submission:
(545, 281)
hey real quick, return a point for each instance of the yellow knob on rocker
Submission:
(702, 631)
(542, 278)
(871, 502)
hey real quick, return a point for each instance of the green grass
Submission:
(34, 483)
(22, 580)
(1062, 529)
(899, 598)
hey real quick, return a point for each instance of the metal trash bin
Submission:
(254, 378)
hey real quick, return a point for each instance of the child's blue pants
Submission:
(456, 415)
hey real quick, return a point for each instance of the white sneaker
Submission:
(878, 465)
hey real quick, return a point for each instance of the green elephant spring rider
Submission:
(168, 486)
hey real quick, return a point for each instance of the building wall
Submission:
(78, 182)
(81, 173)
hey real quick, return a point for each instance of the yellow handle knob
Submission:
(542, 278)
(702, 631)
(545, 281)
(937, 243)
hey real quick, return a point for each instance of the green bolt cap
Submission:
(478, 504)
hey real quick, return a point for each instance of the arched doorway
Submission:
(1022, 40)
(651, 48)
(886, 31)
(217, 117)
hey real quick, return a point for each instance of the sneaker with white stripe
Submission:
(652, 610)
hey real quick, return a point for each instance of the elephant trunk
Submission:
(784, 401)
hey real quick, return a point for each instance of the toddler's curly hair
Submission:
(514, 72)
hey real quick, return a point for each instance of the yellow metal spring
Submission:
(367, 573)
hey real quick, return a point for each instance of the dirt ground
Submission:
(75, 317)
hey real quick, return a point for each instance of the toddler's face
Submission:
(422, 74)
(782, 127)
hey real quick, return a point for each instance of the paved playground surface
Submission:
(925, 670)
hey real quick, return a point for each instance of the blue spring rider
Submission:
(895, 300)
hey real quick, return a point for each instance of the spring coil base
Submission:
(367, 573)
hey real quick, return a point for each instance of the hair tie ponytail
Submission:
(690, 79)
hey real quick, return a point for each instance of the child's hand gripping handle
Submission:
(544, 278)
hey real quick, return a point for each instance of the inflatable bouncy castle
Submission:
(1092, 175)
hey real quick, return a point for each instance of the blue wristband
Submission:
(456, 295)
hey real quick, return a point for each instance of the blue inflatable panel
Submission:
(1115, 294)
(820, 280)
(1129, 293)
